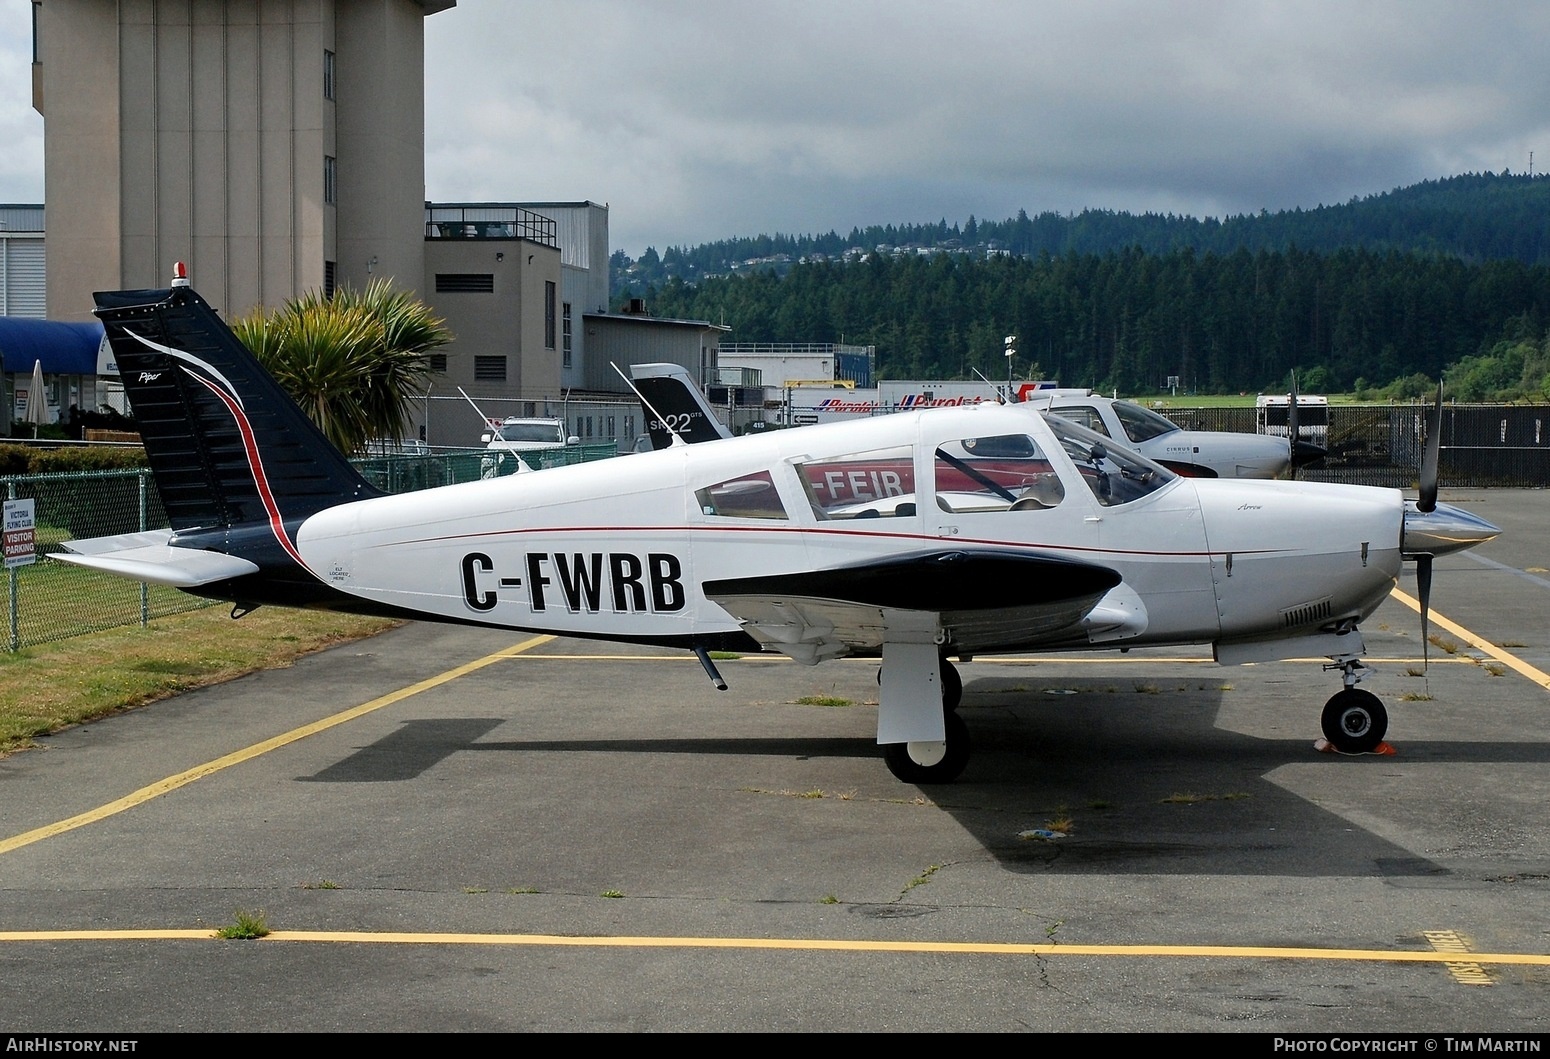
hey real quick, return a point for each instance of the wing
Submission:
(978, 601)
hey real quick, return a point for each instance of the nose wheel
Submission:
(1355, 721)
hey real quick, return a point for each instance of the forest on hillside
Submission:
(1349, 320)
(1449, 278)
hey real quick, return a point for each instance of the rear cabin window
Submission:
(751, 496)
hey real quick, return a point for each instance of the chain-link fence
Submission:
(1482, 445)
(52, 600)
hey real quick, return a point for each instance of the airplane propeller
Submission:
(1301, 451)
(1293, 433)
(1426, 503)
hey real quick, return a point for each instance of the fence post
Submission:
(145, 589)
(16, 640)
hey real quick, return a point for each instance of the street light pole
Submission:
(1011, 351)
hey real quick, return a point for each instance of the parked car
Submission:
(517, 435)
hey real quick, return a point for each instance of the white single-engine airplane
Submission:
(676, 408)
(915, 537)
(1195, 453)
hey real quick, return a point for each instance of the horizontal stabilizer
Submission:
(149, 557)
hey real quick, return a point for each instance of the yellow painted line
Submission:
(198, 772)
(1502, 655)
(994, 660)
(1257, 952)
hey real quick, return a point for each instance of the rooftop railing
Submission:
(490, 222)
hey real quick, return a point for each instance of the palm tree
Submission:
(354, 361)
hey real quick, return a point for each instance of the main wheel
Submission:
(952, 686)
(931, 762)
(1355, 721)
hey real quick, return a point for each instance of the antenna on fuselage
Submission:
(522, 466)
(677, 437)
(1003, 394)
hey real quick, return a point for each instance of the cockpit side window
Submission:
(1142, 424)
(1115, 475)
(1008, 472)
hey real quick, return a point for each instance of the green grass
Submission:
(823, 700)
(248, 925)
(53, 685)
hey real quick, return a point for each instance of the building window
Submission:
(548, 314)
(329, 269)
(490, 369)
(328, 74)
(465, 283)
(565, 334)
(438, 363)
(330, 180)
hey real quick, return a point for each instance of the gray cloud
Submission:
(697, 121)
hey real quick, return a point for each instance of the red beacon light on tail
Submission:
(179, 274)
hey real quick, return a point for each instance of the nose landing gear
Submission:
(1354, 721)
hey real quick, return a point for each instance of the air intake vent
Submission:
(1314, 613)
(465, 283)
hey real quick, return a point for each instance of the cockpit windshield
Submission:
(1115, 475)
(1142, 424)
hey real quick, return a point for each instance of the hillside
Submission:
(1448, 279)
(1473, 217)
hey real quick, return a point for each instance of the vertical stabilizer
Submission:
(670, 394)
(227, 445)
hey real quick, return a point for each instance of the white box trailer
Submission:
(1271, 413)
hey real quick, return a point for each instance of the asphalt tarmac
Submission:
(454, 829)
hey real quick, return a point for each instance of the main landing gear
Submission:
(1354, 720)
(934, 761)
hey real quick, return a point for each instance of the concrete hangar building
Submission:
(277, 147)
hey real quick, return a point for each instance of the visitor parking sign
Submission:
(19, 534)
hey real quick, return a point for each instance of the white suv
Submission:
(522, 435)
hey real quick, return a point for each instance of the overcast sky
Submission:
(697, 120)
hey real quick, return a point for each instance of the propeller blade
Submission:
(1428, 483)
(1293, 433)
(1423, 585)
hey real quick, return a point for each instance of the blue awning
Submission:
(64, 348)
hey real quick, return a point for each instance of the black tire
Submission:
(952, 686)
(1355, 721)
(931, 762)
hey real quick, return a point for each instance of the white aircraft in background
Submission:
(1195, 453)
(674, 401)
(918, 538)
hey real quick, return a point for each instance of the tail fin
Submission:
(671, 393)
(227, 445)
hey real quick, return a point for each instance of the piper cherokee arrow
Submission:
(917, 538)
